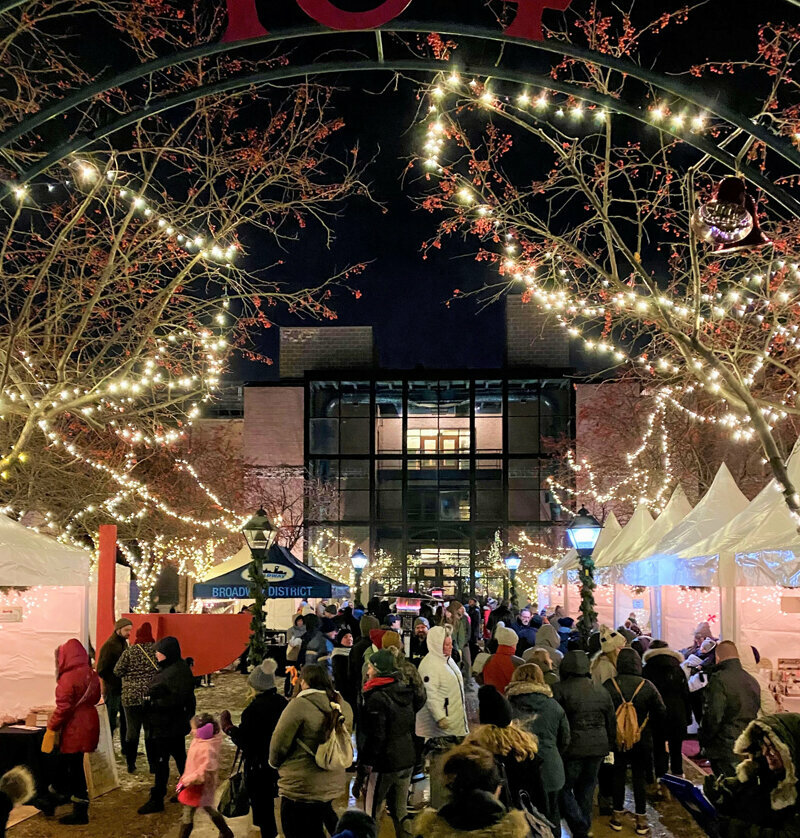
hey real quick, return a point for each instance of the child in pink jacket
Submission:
(198, 784)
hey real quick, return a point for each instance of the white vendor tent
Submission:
(35, 621)
(639, 523)
(676, 610)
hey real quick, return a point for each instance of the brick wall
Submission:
(534, 338)
(316, 348)
(273, 426)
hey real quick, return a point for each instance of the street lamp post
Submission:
(359, 561)
(583, 532)
(512, 562)
(259, 533)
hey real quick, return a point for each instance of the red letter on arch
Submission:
(324, 12)
(528, 22)
(243, 22)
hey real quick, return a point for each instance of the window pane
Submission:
(354, 435)
(524, 497)
(324, 399)
(454, 505)
(488, 416)
(390, 505)
(523, 434)
(354, 506)
(324, 436)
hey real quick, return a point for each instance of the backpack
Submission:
(629, 731)
(336, 752)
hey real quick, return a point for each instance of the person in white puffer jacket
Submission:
(442, 721)
(444, 713)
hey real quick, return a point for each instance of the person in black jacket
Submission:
(475, 626)
(110, 653)
(730, 702)
(170, 706)
(662, 667)
(515, 750)
(628, 685)
(592, 724)
(387, 755)
(252, 737)
(525, 631)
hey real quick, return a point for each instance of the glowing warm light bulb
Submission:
(523, 100)
(657, 113)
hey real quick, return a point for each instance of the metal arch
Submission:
(778, 194)
(551, 45)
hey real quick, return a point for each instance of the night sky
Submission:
(403, 296)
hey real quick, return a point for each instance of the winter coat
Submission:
(256, 727)
(548, 638)
(294, 639)
(662, 668)
(136, 667)
(357, 650)
(589, 709)
(388, 716)
(202, 765)
(110, 652)
(418, 648)
(602, 668)
(730, 702)
(500, 667)
(77, 692)
(758, 803)
(478, 815)
(409, 675)
(526, 634)
(475, 623)
(299, 776)
(340, 667)
(171, 702)
(444, 692)
(647, 703)
(16, 788)
(768, 704)
(460, 632)
(539, 713)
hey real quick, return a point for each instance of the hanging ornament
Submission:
(724, 219)
(753, 240)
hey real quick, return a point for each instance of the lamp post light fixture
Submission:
(583, 532)
(359, 561)
(259, 533)
(512, 562)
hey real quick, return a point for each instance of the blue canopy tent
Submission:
(287, 578)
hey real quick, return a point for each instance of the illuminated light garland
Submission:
(29, 600)
(561, 301)
(204, 246)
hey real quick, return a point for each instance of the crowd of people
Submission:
(559, 718)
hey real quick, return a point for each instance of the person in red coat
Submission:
(74, 725)
(501, 665)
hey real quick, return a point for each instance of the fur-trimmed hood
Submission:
(526, 687)
(783, 732)
(17, 785)
(512, 824)
(654, 653)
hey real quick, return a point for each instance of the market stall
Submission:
(43, 603)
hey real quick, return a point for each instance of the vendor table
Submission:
(24, 747)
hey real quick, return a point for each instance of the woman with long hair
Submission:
(307, 791)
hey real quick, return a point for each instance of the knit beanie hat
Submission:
(383, 662)
(536, 621)
(421, 621)
(205, 732)
(391, 638)
(566, 622)
(263, 677)
(332, 610)
(506, 637)
(493, 708)
(121, 623)
(610, 639)
(342, 633)
(327, 625)
(367, 623)
(144, 634)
